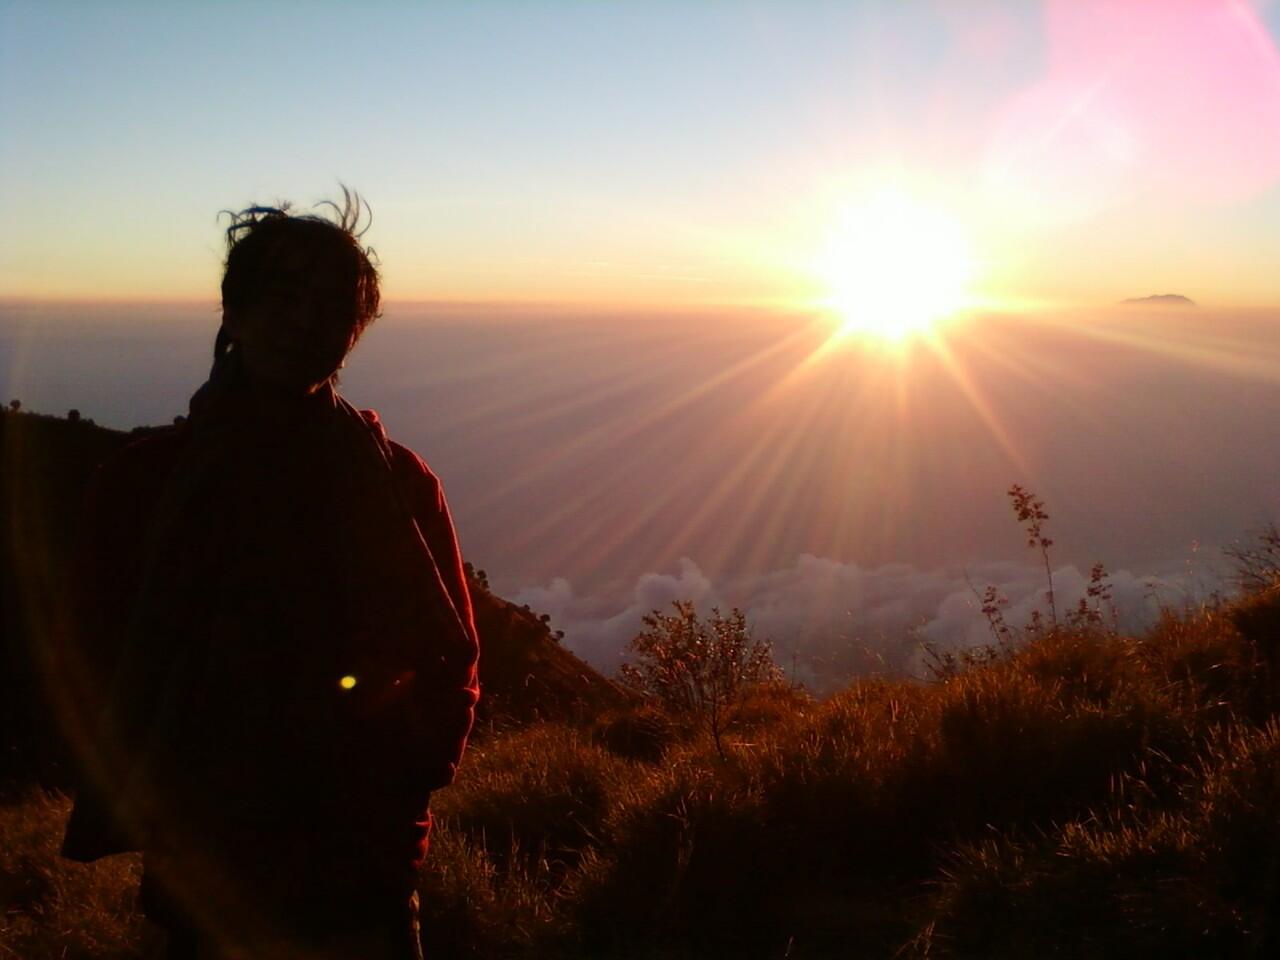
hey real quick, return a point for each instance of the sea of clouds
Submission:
(829, 621)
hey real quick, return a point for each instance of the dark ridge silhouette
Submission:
(526, 675)
(46, 466)
(1159, 300)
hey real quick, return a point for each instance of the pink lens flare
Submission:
(1173, 102)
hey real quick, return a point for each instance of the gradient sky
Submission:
(646, 153)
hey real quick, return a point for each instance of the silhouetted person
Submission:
(280, 587)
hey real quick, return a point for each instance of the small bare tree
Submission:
(1256, 560)
(701, 668)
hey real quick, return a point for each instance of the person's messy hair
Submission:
(255, 232)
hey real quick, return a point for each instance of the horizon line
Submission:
(624, 307)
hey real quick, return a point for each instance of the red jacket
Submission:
(121, 500)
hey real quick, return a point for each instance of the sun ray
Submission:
(1214, 352)
(974, 396)
(618, 433)
(611, 446)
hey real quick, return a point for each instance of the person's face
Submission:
(297, 329)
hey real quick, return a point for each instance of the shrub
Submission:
(1088, 892)
(1202, 658)
(643, 733)
(700, 668)
(1013, 751)
(523, 818)
(766, 706)
(1256, 561)
(537, 795)
(1138, 879)
(471, 907)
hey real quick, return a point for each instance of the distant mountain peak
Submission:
(1160, 300)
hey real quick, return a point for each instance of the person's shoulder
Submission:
(403, 459)
(407, 459)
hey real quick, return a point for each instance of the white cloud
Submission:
(830, 620)
(598, 628)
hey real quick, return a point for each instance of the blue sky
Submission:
(510, 150)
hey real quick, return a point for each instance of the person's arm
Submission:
(458, 685)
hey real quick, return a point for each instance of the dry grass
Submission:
(1194, 877)
(1085, 795)
(51, 907)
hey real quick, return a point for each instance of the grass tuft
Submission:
(50, 907)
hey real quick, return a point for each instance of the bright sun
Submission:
(894, 267)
